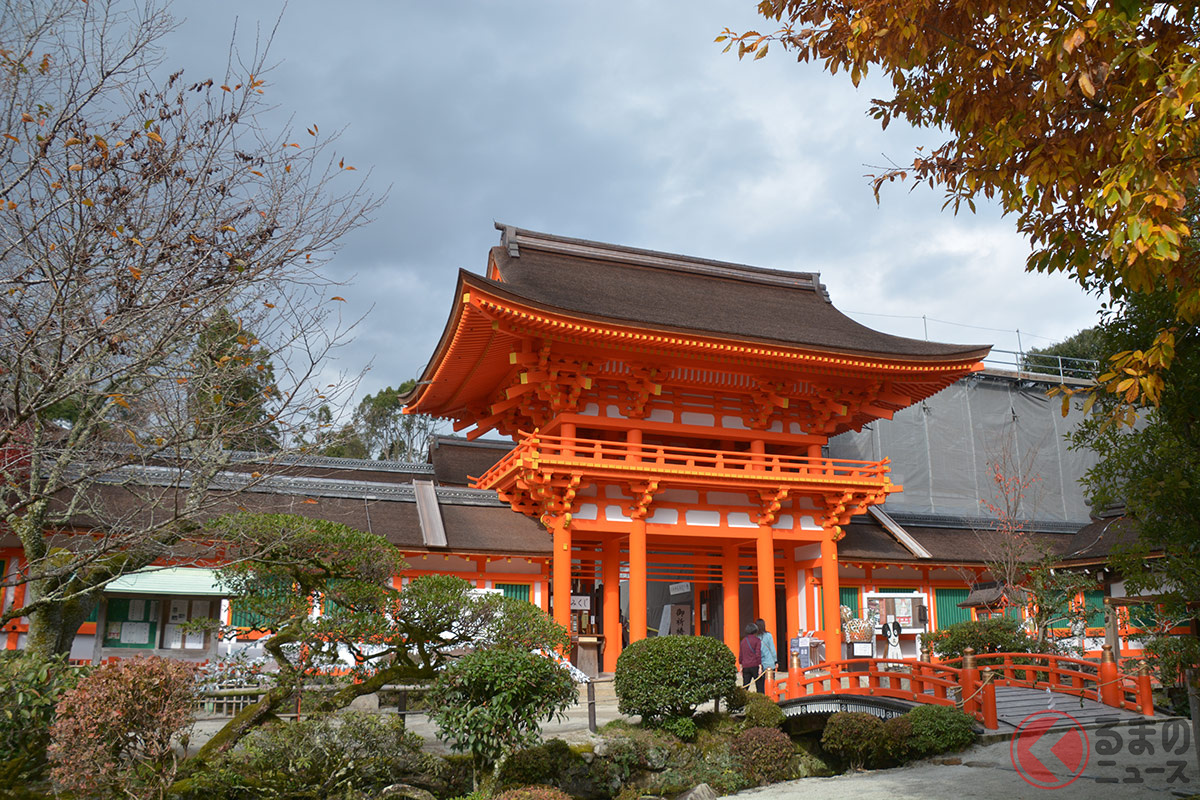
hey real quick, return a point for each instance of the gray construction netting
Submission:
(943, 450)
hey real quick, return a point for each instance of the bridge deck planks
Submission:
(1015, 703)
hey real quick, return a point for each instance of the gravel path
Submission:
(987, 771)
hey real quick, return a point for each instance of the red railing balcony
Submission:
(686, 465)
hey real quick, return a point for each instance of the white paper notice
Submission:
(173, 637)
(114, 631)
(199, 609)
(137, 609)
(135, 633)
(194, 641)
(179, 609)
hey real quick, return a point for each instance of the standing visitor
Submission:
(770, 657)
(750, 655)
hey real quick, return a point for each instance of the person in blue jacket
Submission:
(770, 656)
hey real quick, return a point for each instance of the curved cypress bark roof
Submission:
(663, 291)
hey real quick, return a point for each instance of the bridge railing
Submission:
(970, 682)
(1101, 681)
(917, 681)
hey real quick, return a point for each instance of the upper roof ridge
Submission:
(512, 239)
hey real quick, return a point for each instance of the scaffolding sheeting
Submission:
(943, 452)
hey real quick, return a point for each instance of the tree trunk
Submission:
(52, 627)
(347, 694)
(246, 720)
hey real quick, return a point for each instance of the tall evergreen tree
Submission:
(234, 396)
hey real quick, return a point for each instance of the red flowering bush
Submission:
(114, 730)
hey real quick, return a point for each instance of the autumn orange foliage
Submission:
(1079, 118)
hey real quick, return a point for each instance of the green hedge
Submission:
(852, 736)
(860, 739)
(995, 635)
(939, 729)
(764, 754)
(762, 712)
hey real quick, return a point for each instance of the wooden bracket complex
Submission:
(771, 502)
(643, 495)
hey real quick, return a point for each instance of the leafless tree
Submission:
(1016, 490)
(1022, 568)
(139, 208)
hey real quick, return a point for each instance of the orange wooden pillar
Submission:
(637, 579)
(1110, 689)
(561, 565)
(567, 432)
(610, 575)
(765, 552)
(791, 593)
(831, 598)
(729, 592)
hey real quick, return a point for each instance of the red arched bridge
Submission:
(994, 688)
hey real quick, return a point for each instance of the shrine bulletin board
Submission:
(131, 622)
(911, 611)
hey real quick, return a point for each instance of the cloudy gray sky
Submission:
(621, 122)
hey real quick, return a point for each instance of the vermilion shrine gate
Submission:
(669, 414)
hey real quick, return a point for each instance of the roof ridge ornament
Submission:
(508, 239)
(512, 237)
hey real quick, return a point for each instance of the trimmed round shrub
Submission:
(764, 755)
(895, 746)
(669, 676)
(852, 736)
(736, 700)
(682, 728)
(533, 793)
(762, 712)
(939, 729)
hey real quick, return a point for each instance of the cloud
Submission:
(619, 122)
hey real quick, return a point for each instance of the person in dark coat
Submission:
(750, 656)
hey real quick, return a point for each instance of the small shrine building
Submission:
(671, 417)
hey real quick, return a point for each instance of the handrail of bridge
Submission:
(1101, 680)
(623, 454)
(917, 681)
(970, 682)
